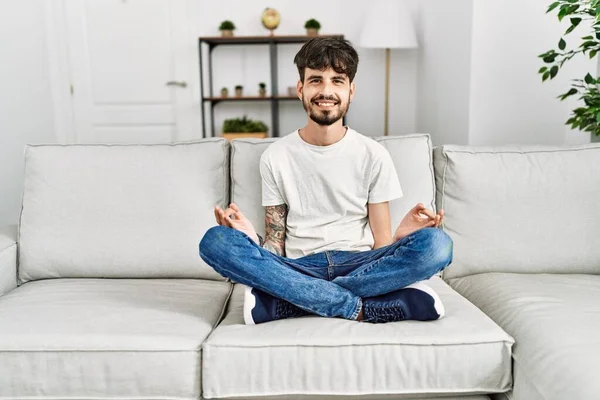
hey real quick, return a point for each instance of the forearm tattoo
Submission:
(275, 224)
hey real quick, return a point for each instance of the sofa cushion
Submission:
(555, 320)
(463, 353)
(106, 338)
(521, 209)
(120, 211)
(412, 156)
(8, 258)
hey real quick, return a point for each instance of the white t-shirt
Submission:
(326, 189)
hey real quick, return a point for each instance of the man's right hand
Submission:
(233, 218)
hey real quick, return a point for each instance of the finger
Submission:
(419, 206)
(217, 216)
(228, 213)
(225, 218)
(238, 212)
(429, 213)
(438, 219)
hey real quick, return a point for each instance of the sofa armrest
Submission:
(8, 258)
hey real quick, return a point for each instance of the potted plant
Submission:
(227, 27)
(586, 117)
(312, 27)
(262, 89)
(244, 127)
(239, 89)
(224, 92)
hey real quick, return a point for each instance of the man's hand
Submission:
(418, 218)
(233, 218)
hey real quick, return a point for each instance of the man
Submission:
(328, 246)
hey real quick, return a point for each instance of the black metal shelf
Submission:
(272, 42)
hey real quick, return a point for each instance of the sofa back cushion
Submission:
(412, 156)
(529, 209)
(120, 211)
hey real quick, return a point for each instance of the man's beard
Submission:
(325, 117)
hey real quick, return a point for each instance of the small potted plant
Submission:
(227, 27)
(244, 127)
(262, 89)
(224, 92)
(239, 89)
(312, 27)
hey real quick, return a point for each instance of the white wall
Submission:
(508, 102)
(248, 65)
(25, 99)
(444, 70)
(472, 81)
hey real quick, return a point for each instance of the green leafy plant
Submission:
(239, 87)
(226, 26)
(243, 125)
(312, 24)
(262, 85)
(587, 116)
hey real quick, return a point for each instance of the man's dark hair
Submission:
(327, 52)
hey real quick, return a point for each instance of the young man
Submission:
(328, 248)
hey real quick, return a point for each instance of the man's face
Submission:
(325, 95)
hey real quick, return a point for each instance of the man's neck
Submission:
(318, 135)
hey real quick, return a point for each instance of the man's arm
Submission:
(380, 222)
(275, 224)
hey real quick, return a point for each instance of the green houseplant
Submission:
(312, 27)
(587, 116)
(244, 125)
(239, 89)
(262, 89)
(227, 27)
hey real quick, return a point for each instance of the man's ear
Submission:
(299, 88)
(352, 90)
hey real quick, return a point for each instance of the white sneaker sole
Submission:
(249, 304)
(439, 306)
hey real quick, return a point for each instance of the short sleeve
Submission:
(384, 185)
(271, 195)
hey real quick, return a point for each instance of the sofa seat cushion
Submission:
(463, 353)
(555, 320)
(106, 338)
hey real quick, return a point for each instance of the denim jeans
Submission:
(331, 283)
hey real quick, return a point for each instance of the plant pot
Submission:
(312, 32)
(234, 135)
(227, 33)
(262, 92)
(239, 92)
(224, 93)
(291, 91)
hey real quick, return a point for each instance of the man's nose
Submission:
(327, 90)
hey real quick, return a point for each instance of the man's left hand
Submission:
(417, 218)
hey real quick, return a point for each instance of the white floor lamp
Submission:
(388, 26)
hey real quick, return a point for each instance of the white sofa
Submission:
(103, 294)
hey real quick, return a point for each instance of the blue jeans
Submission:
(330, 283)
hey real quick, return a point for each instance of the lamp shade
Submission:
(388, 26)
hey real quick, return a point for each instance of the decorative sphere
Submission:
(271, 18)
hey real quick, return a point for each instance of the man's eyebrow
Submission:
(315, 76)
(342, 77)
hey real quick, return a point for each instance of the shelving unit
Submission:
(211, 100)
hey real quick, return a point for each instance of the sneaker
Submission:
(261, 307)
(414, 302)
